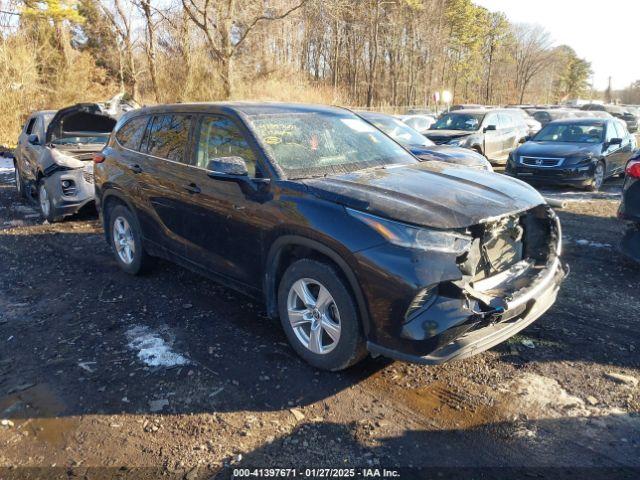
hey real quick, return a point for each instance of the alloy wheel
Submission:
(598, 176)
(313, 316)
(123, 240)
(43, 196)
(18, 180)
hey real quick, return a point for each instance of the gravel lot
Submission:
(177, 374)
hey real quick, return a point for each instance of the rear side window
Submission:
(168, 137)
(131, 133)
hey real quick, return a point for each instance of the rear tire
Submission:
(324, 327)
(19, 182)
(125, 237)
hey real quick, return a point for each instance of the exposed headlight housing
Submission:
(408, 236)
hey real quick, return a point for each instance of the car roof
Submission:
(42, 112)
(473, 111)
(366, 113)
(247, 108)
(581, 121)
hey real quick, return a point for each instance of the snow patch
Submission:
(6, 165)
(152, 349)
(543, 397)
(588, 243)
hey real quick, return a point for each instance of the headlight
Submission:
(414, 237)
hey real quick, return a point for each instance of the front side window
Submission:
(621, 130)
(320, 143)
(458, 121)
(220, 137)
(611, 132)
(505, 121)
(29, 126)
(168, 137)
(492, 119)
(131, 133)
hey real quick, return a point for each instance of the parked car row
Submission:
(354, 243)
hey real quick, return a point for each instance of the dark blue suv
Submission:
(350, 240)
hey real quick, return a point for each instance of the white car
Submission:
(421, 122)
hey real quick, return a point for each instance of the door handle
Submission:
(192, 188)
(135, 168)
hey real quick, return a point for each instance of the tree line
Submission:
(371, 53)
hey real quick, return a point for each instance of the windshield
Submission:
(82, 140)
(319, 143)
(570, 133)
(459, 121)
(399, 131)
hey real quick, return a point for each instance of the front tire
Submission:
(46, 205)
(319, 316)
(126, 241)
(598, 177)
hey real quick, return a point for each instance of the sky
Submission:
(606, 33)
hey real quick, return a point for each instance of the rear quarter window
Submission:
(131, 133)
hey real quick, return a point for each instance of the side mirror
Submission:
(490, 128)
(228, 165)
(615, 141)
(33, 139)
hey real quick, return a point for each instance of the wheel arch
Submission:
(110, 198)
(287, 249)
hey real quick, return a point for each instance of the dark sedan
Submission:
(630, 209)
(422, 147)
(575, 152)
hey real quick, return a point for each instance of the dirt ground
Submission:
(173, 376)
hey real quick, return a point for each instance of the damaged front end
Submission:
(65, 165)
(508, 277)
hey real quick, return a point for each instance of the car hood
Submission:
(555, 149)
(430, 194)
(450, 134)
(77, 120)
(446, 153)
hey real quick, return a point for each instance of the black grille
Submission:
(541, 162)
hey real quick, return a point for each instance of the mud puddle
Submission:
(37, 412)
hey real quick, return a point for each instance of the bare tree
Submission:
(532, 53)
(121, 22)
(150, 44)
(225, 31)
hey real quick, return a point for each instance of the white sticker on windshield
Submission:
(357, 125)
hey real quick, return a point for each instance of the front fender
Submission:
(338, 254)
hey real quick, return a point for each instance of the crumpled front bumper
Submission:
(84, 193)
(529, 304)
